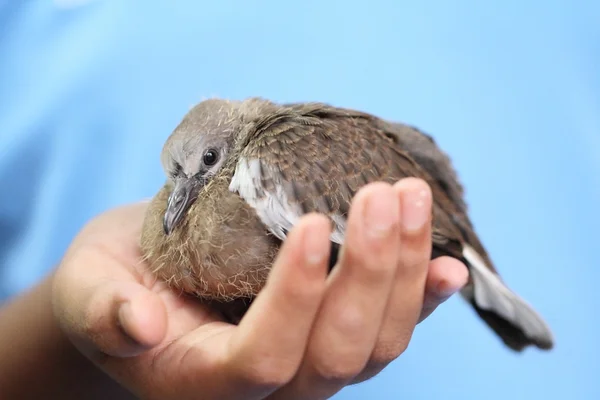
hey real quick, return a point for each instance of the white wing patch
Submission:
(273, 208)
(491, 294)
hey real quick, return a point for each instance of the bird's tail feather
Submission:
(511, 317)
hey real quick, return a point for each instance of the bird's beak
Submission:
(183, 196)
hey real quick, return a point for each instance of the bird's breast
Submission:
(221, 250)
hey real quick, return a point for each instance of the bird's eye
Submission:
(210, 157)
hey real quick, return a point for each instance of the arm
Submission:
(38, 361)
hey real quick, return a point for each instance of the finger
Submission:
(117, 317)
(350, 317)
(446, 276)
(267, 348)
(406, 299)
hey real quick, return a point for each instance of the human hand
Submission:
(307, 334)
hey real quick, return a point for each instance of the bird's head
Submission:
(199, 148)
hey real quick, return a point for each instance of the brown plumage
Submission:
(225, 219)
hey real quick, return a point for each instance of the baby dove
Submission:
(242, 173)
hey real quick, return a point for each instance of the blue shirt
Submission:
(89, 91)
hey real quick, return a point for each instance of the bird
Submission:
(241, 173)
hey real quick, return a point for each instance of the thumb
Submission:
(117, 318)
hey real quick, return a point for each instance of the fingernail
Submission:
(444, 290)
(381, 213)
(415, 208)
(315, 247)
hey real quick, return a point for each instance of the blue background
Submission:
(89, 91)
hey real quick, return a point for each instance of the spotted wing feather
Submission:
(314, 158)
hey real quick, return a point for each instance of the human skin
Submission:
(306, 336)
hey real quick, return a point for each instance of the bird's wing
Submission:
(517, 323)
(423, 148)
(314, 158)
(425, 151)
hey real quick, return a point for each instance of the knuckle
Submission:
(303, 295)
(268, 372)
(350, 322)
(338, 369)
(374, 266)
(380, 265)
(413, 262)
(386, 352)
